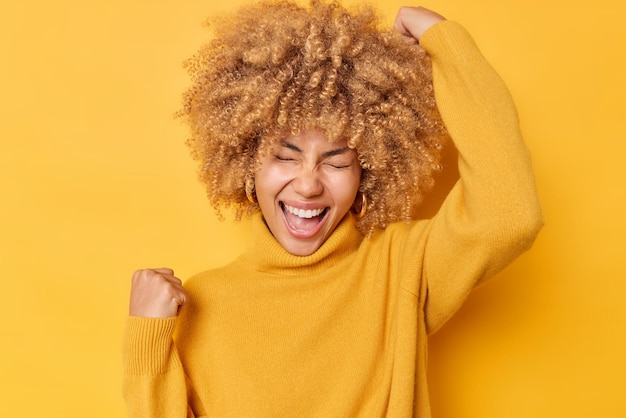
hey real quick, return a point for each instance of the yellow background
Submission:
(95, 181)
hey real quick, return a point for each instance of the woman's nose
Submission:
(307, 183)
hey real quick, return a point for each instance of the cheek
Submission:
(268, 181)
(346, 189)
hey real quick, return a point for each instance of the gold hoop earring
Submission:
(360, 213)
(250, 198)
(249, 187)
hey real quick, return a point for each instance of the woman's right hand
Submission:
(156, 293)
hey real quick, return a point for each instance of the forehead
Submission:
(310, 139)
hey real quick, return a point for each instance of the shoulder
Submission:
(399, 236)
(216, 278)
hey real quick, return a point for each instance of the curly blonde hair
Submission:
(276, 67)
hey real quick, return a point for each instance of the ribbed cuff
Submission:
(148, 347)
(449, 38)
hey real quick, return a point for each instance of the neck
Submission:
(264, 251)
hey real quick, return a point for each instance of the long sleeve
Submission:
(154, 380)
(492, 214)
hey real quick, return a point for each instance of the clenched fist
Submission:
(156, 293)
(413, 22)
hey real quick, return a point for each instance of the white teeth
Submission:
(301, 213)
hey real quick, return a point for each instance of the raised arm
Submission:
(155, 385)
(492, 214)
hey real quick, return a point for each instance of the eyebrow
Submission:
(326, 154)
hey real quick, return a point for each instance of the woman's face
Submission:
(304, 187)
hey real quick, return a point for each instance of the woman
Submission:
(325, 130)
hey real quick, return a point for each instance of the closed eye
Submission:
(279, 158)
(338, 166)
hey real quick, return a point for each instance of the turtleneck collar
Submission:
(268, 255)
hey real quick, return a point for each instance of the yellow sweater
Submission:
(343, 332)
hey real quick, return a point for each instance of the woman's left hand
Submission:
(413, 22)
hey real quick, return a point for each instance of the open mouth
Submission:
(303, 222)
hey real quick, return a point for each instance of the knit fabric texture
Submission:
(343, 332)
